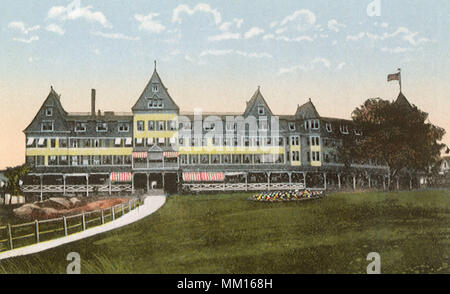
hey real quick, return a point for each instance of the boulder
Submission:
(75, 202)
(59, 203)
(26, 210)
(46, 213)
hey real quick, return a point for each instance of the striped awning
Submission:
(140, 154)
(170, 154)
(121, 177)
(203, 176)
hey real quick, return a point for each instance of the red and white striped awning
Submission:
(121, 177)
(140, 154)
(171, 154)
(203, 176)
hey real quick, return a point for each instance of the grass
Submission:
(226, 233)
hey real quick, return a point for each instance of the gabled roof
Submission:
(256, 98)
(54, 100)
(141, 103)
(402, 101)
(307, 111)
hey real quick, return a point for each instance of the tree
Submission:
(396, 134)
(14, 175)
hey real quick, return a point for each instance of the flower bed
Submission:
(287, 196)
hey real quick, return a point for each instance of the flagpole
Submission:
(400, 78)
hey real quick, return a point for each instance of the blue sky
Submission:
(213, 54)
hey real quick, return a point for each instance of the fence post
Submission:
(65, 225)
(37, 230)
(112, 213)
(103, 218)
(10, 237)
(83, 222)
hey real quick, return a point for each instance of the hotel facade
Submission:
(157, 146)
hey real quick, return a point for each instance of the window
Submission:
(295, 141)
(261, 110)
(315, 124)
(62, 143)
(292, 126)
(52, 160)
(262, 123)
(80, 127)
(295, 156)
(52, 143)
(315, 141)
(308, 156)
(343, 129)
(49, 111)
(151, 125)
(208, 126)
(124, 127)
(63, 160)
(172, 125)
(47, 126)
(140, 125)
(161, 125)
(315, 156)
(155, 88)
(102, 127)
(328, 127)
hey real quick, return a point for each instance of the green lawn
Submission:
(226, 233)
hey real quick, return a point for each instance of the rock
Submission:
(26, 210)
(75, 201)
(46, 213)
(59, 203)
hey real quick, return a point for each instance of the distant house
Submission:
(3, 180)
(445, 165)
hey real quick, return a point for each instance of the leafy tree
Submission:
(396, 134)
(14, 175)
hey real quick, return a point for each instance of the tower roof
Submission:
(402, 101)
(307, 110)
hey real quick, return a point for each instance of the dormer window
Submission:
(315, 125)
(261, 110)
(47, 126)
(343, 129)
(208, 126)
(328, 127)
(49, 111)
(102, 127)
(80, 127)
(155, 88)
(124, 127)
(262, 123)
(291, 126)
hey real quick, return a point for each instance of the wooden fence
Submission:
(20, 235)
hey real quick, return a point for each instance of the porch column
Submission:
(290, 178)
(339, 180)
(384, 183)
(246, 182)
(110, 184)
(148, 182)
(325, 180)
(132, 183)
(87, 184)
(369, 182)
(64, 185)
(42, 192)
(354, 182)
(268, 181)
(163, 179)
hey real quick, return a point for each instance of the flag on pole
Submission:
(393, 77)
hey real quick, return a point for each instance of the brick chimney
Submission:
(93, 102)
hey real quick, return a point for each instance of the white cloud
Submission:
(55, 29)
(149, 24)
(334, 43)
(73, 12)
(20, 26)
(395, 50)
(319, 60)
(201, 7)
(384, 25)
(253, 32)
(404, 33)
(28, 41)
(215, 52)
(225, 36)
(288, 39)
(334, 25)
(341, 65)
(116, 36)
(301, 19)
(226, 26)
